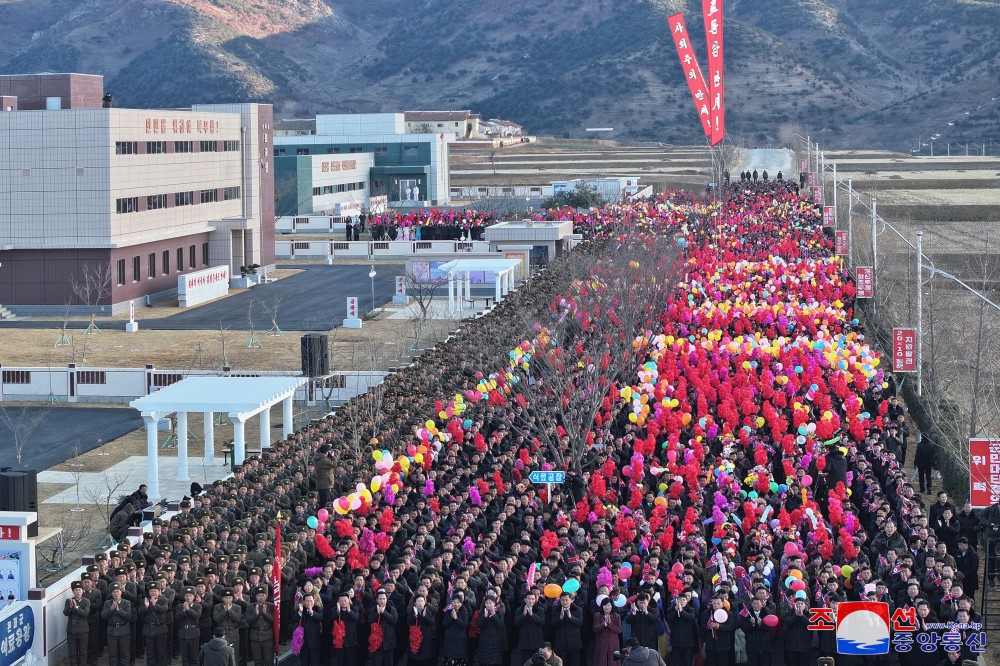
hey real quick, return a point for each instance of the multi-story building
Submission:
(139, 195)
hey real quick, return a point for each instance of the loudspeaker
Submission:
(18, 490)
(315, 355)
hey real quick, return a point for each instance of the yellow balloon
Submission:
(419, 458)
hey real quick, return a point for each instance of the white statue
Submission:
(416, 193)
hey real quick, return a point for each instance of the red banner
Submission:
(818, 194)
(842, 242)
(904, 350)
(692, 72)
(812, 178)
(276, 577)
(864, 281)
(712, 15)
(804, 165)
(984, 472)
(828, 222)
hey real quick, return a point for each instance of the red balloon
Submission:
(791, 549)
(771, 620)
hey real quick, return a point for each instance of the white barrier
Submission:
(291, 249)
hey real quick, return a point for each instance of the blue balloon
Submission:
(312, 521)
(572, 586)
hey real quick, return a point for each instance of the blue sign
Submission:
(539, 476)
(17, 631)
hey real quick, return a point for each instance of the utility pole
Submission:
(920, 312)
(850, 222)
(874, 252)
(835, 195)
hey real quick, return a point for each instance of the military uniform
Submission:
(230, 621)
(94, 619)
(77, 627)
(260, 618)
(118, 616)
(188, 623)
(155, 631)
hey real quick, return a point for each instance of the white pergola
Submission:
(460, 284)
(239, 397)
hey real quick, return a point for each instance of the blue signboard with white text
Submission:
(540, 476)
(17, 632)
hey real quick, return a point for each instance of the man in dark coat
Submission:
(798, 639)
(530, 622)
(383, 614)
(118, 614)
(683, 622)
(345, 654)
(229, 616)
(759, 636)
(187, 618)
(719, 637)
(644, 621)
(155, 610)
(967, 563)
(77, 609)
(923, 460)
(260, 620)
(492, 634)
(566, 620)
(217, 651)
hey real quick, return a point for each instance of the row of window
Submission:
(82, 377)
(343, 187)
(336, 150)
(164, 266)
(157, 201)
(160, 147)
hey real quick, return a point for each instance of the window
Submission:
(204, 254)
(183, 146)
(136, 269)
(301, 151)
(360, 185)
(126, 147)
(208, 196)
(156, 147)
(230, 146)
(279, 152)
(336, 150)
(440, 124)
(231, 193)
(151, 265)
(121, 272)
(208, 146)
(192, 256)
(166, 262)
(16, 376)
(328, 189)
(166, 379)
(382, 150)
(341, 187)
(317, 191)
(127, 205)
(409, 151)
(355, 149)
(91, 377)
(180, 260)
(183, 198)
(378, 184)
(156, 201)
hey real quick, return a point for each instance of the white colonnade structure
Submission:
(240, 398)
(459, 271)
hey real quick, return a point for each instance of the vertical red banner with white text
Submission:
(712, 14)
(692, 72)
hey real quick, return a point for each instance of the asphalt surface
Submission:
(59, 431)
(313, 300)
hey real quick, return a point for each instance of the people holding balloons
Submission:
(718, 633)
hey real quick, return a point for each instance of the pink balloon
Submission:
(625, 573)
(720, 615)
(807, 480)
(798, 585)
(672, 456)
(771, 620)
(323, 515)
(791, 548)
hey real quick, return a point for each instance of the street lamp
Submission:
(371, 275)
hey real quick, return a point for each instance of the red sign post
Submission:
(828, 217)
(864, 280)
(904, 350)
(984, 472)
(842, 241)
(803, 165)
(812, 179)
(817, 193)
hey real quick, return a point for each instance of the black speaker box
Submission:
(315, 355)
(18, 490)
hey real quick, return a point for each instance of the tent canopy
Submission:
(237, 396)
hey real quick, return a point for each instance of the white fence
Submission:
(290, 249)
(121, 385)
(301, 224)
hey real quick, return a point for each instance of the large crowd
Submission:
(746, 479)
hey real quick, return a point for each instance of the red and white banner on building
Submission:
(692, 72)
(904, 350)
(812, 179)
(804, 165)
(817, 194)
(828, 217)
(984, 472)
(864, 281)
(842, 243)
(712, 15)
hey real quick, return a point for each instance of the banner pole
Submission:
(874, 254)
(920, 313)
(850, 222)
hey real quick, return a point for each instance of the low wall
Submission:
(321, 249)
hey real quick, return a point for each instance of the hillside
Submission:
(855, 73)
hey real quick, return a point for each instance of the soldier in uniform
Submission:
(155, 610)
(77, 609)
(207, 600)
(260, 618)
(96, 604)
(188, 614)
(228, 616)
(118, 613)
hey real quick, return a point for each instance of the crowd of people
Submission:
(425, 225)
(746, 480)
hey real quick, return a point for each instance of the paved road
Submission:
(60, 430)
(313, 300)
(768, 159)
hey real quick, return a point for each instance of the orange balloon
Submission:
(552, 591)
(795, 573)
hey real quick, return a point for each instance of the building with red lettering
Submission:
(140, 197)
(333, 185)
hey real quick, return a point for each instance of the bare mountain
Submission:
(855, 73)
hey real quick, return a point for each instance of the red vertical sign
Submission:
(812, 178)
(984, 472)
(276, 579)
(712, 14)
(692, 72)
(904, 350)
(842, 242)
(817, 194)
(864, 280)
(828, 217)
(804, 165)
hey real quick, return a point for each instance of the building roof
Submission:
(432, 116)
(232, 395)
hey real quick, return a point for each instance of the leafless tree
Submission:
(71, 537)
(92, 289)
(366, 409)
(271, 306)
(63, 340)
(422, 289)
(77, 469)
(106, 497)
(253, 341)
(22, 421)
